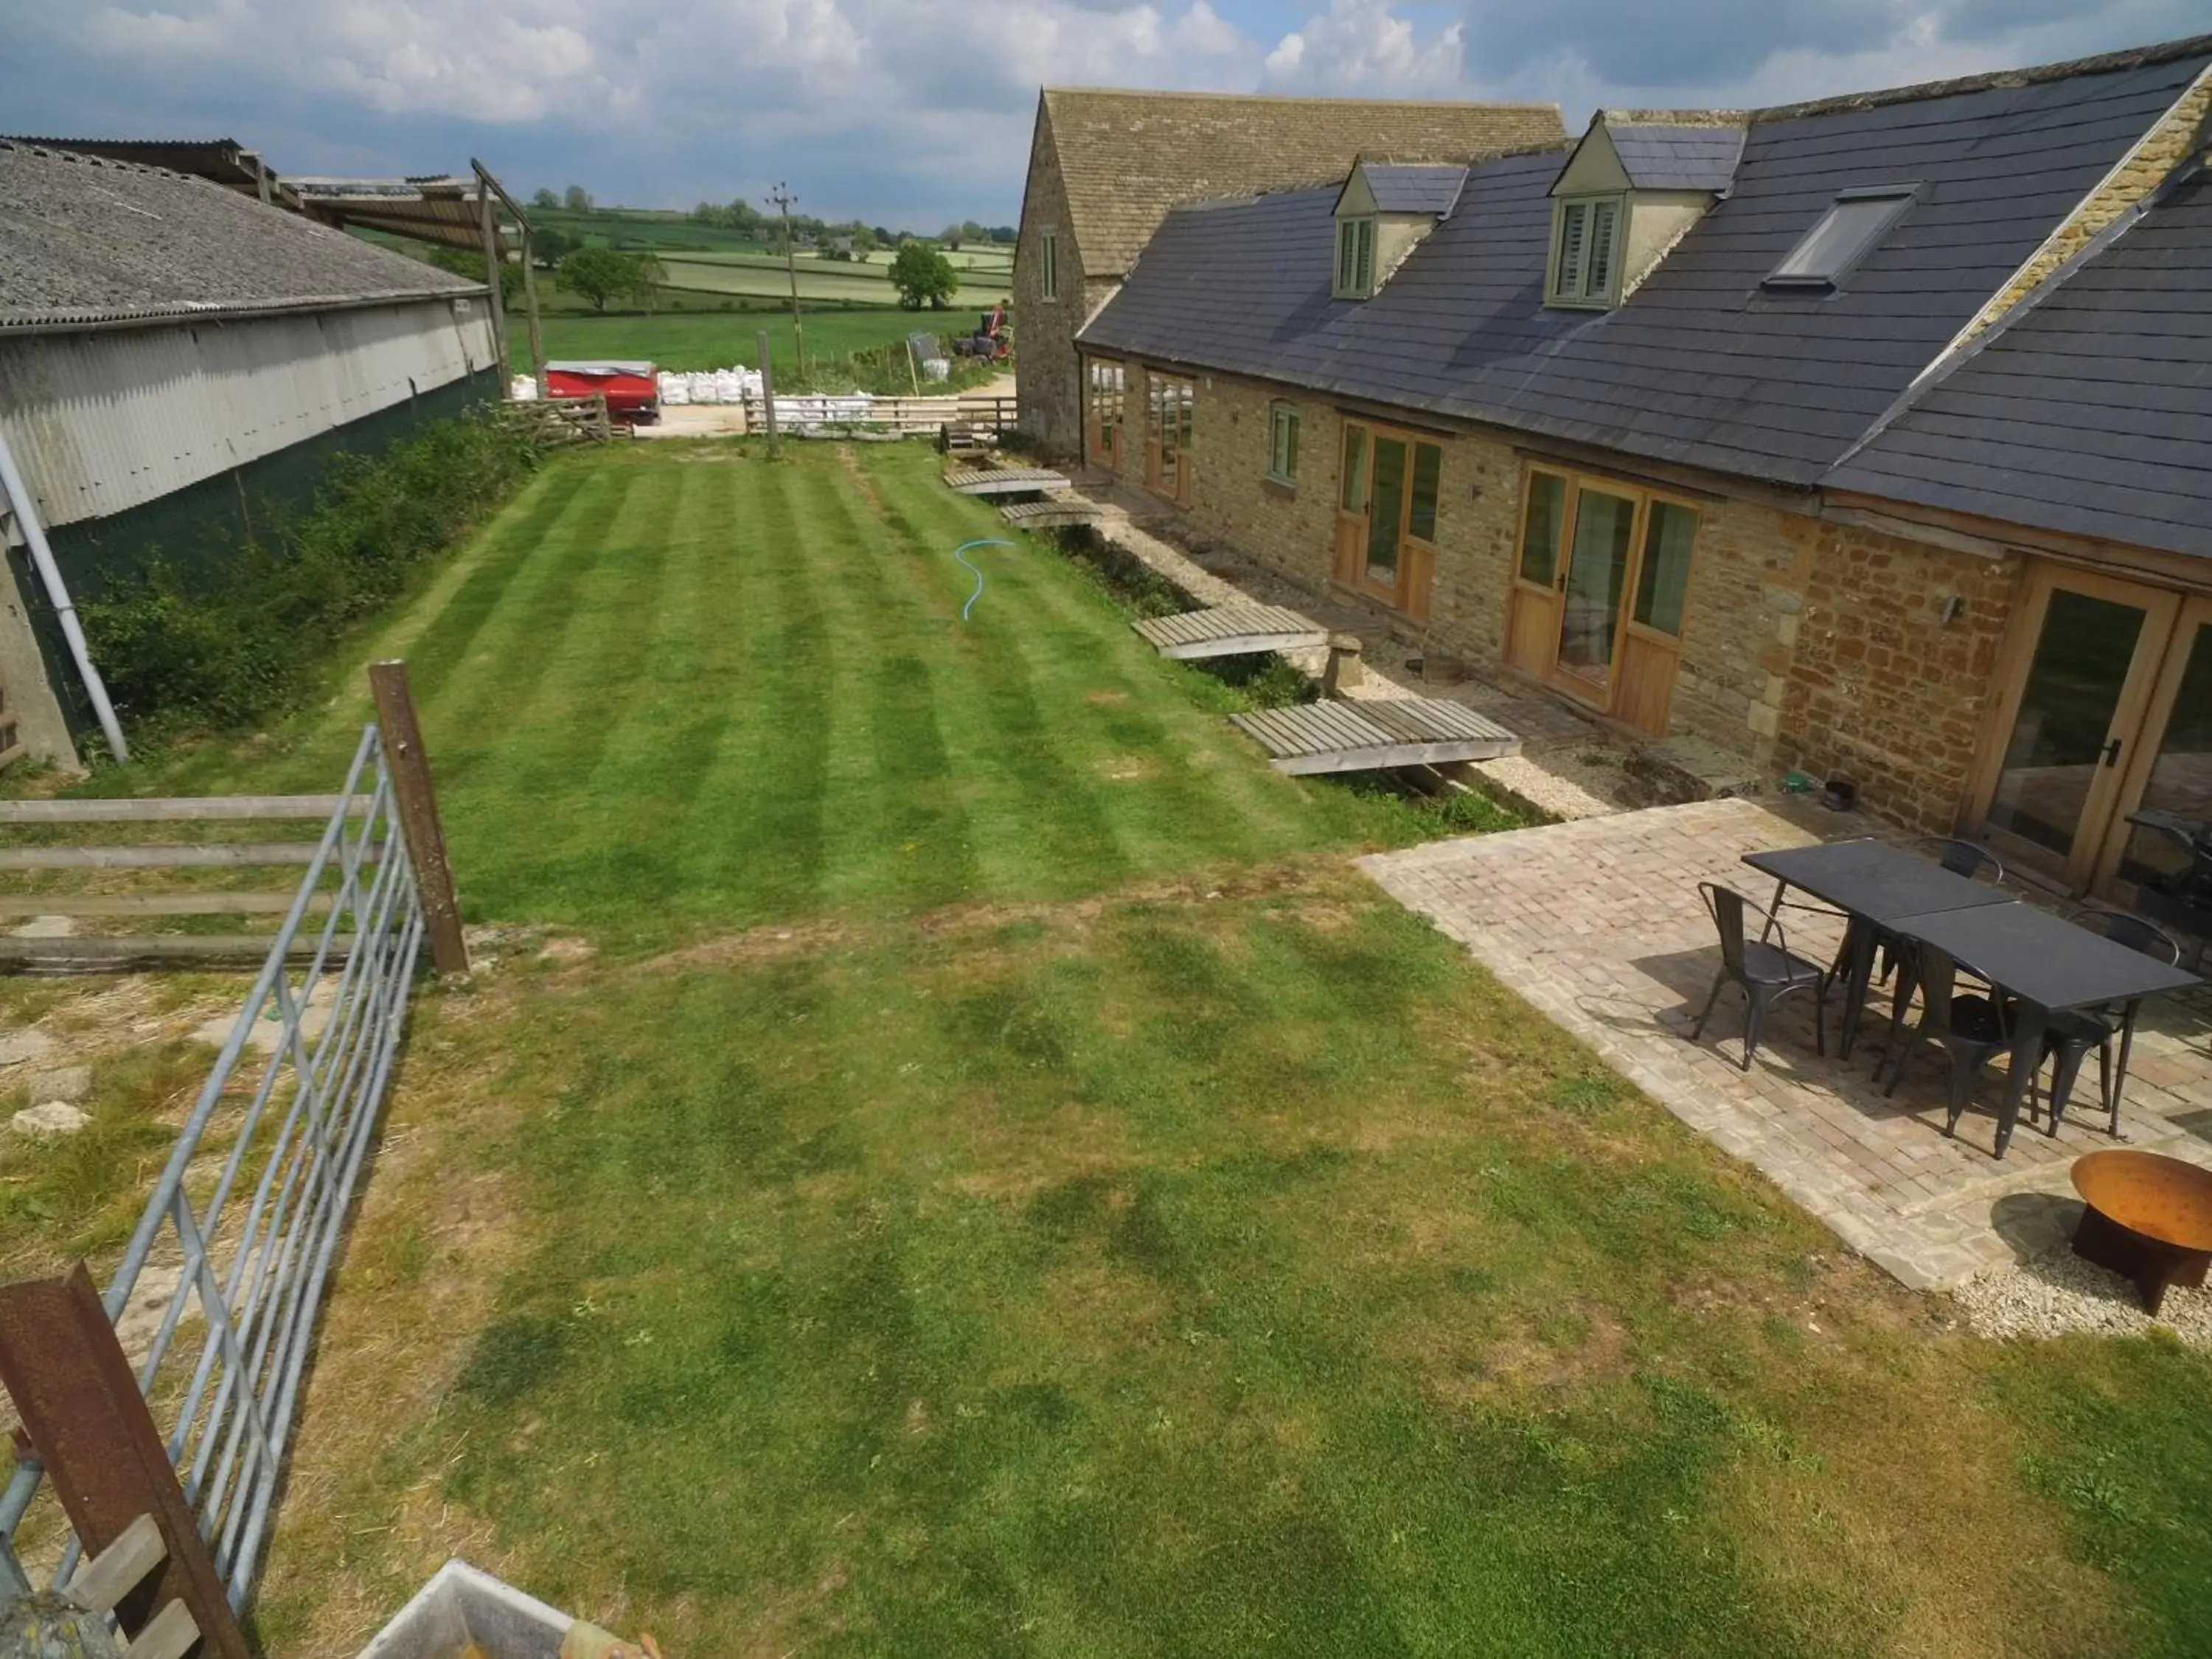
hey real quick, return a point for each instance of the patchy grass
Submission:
(1001, 1184)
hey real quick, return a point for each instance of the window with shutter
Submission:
(1574, 239)
(1585, 267)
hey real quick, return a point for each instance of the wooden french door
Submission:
(1600, 579)
(1105, 389)
(1386, 515)
(2106, 711)
(1170, 406)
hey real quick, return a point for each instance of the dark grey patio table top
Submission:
(1873, 879)
(2041, 959)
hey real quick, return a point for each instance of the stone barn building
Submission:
(1863, 438)
(1105, 167)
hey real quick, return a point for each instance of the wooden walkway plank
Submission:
(191, 808)
(1038, 515)
(1373, 734)
(1231, 631)
(1005, 481)
(112, 955)
(182, 856)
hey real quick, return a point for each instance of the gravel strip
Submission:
(2056, 1293)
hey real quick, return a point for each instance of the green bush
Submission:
(234, 641)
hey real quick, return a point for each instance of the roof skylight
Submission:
(1847, 233)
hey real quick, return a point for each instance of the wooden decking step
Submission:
(1231, 631)
(1373, 733)
(1039, 516)
(1005, 480)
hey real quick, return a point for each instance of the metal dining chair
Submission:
(2070, 1037)
(1961, 858)
(1767, 972)
(1970, 1027)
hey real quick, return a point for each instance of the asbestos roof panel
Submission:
(1126, 157)
(1417, 189)
(1678, 158)
(1775, 385)
(86, 240)
(2090, 412)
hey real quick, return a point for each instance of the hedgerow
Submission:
(240, 636)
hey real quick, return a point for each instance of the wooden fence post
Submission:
(767, 396)
(73, 1386)
(418, 814)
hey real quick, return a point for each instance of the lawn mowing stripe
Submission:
(764, 794)
(900, 833)
(506, 656)
(657, 760)
(1178, 810)
(1068, 838)
(593, 710)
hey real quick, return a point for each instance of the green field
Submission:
(686, 335)
(819, 281)
(978, 1172)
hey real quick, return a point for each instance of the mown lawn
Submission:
(950, 1160)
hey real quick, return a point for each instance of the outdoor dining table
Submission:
(2049, 966)
(1874, 884)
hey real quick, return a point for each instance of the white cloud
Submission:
(1363, 47)
(917, 111)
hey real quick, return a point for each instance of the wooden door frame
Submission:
(2193, 617)
(1181, 493)
(1095, 448)
(2161, 607)
(1409, 595)
(1603, 698)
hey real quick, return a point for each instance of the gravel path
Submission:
(2056, 1293)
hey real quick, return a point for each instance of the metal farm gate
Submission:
(228, 1265)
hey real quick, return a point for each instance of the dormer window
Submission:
(1585, 264)
(1849, 231)
(1355, 258)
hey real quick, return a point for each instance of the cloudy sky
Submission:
(917, 112)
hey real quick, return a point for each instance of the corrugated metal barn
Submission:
(177, 359)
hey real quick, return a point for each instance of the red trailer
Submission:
(632, 389)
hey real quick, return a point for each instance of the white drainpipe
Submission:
(19, 500)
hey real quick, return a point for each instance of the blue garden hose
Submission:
(961, 554)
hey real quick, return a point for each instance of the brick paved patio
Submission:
(1598, 923)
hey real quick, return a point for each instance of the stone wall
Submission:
(1047, 391)
(1882, 689)
(2161, 149)
(1804, 644)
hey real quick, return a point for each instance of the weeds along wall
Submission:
(207, 608)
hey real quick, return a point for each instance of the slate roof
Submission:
(1699, 366)
(87, 241)
(2090, 413)
(1126, 157)
(1678, 157)
(1398, 188)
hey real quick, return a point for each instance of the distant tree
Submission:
(1005, 235)
(647, 277)
(472, 265)
(950, 237)
(599, 274)
(972, 231)
(886, 237)
(543, 198)
(923, 276)
(577, 199)
(863, 240)
(549, 247)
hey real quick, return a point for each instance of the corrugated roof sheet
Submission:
(1419, 188)
(86, 240)
(1678, 157)
(2091, 413)
(1126, 157)
(1699, 366)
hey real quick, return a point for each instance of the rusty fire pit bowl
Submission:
(2149, 1218)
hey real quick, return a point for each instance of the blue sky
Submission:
(917, 111)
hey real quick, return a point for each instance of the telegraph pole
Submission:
(783, 198)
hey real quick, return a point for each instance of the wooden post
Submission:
(488, 222)
(73, 1386)
(418, 814)
(529, 307)
(767, 396)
